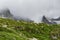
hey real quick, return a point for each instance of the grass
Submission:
(22, 30)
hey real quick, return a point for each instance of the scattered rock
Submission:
(4, 25)
(33, 39)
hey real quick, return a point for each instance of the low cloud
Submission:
(33, 9)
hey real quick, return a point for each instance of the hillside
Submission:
(21, 30)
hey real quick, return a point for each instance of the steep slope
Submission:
(22, 30)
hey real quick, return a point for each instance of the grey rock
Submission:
(45, 20)
(5, 13)
(57, 19)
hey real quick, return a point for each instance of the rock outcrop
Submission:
(47, 21)
(57, 19)
(5, 13)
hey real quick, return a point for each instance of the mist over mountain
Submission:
(32, 9)
(23, 18)
(5, 13)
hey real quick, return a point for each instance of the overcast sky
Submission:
(33, 9)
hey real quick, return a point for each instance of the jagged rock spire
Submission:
(5, 13)
(45, 20)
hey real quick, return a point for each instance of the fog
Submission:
(33, 9)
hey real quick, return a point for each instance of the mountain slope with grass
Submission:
(23, 30)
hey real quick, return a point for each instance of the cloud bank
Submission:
(33, 9)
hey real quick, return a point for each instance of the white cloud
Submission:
(32, 9)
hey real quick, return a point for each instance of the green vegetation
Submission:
(21, 30)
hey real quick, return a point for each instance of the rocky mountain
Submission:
(56, 19)
(5, 13)
(48, 21)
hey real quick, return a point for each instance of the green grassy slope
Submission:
(21, 30)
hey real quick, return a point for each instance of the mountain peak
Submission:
(5, 13)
